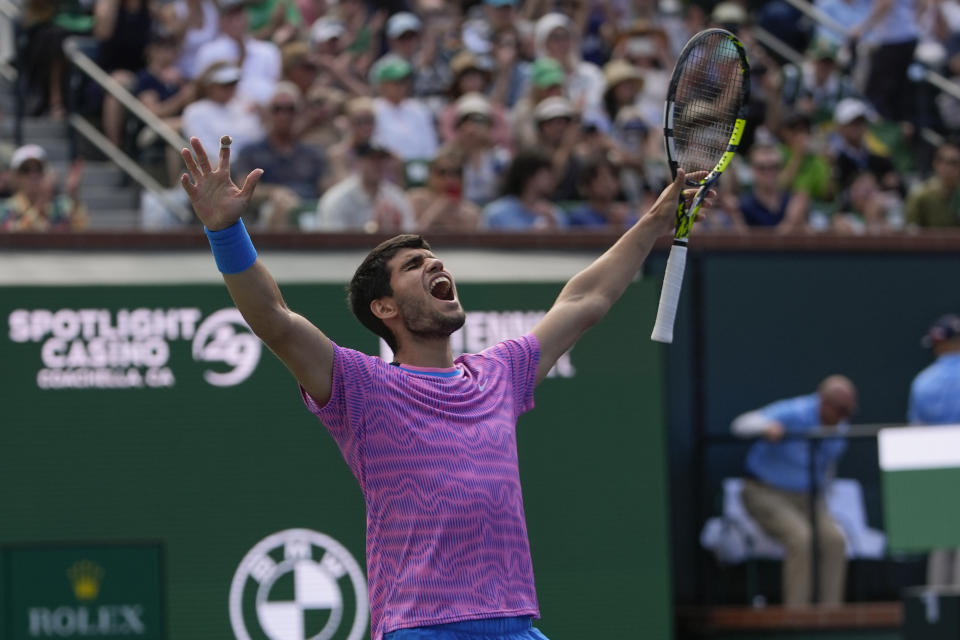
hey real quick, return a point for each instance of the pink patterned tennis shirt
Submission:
(435, 453)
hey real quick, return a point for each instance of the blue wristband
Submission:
(232, 248)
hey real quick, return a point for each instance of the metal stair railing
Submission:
(126, 164)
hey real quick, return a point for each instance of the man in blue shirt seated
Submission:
(776, 492)
(935, 399)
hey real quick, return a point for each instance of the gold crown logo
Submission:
(85, 576)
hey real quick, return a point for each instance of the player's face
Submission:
(837, 407)
(425, 294)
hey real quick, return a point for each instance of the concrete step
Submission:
(114, 219)
(106, 199)
(36, 129)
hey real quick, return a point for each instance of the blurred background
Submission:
(158, 478)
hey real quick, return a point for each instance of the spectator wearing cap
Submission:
(293, 172)
(555, 37)
(35, 204)
(815, 87)
(547, 79)
(440, 204)
(935, 399)
(599, 188)
(422, 47)
(853, 151)
(472, 74)
(936, 201)
(558, 132)
(366, 200)
(484, 161)
(525, 202)
(260, 62)
(219, 110)
(404, 125)
(359, 124)
(194, 23)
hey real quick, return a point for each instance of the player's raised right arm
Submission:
(218, 202)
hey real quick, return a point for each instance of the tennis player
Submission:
(430, 439)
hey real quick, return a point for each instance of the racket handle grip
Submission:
(670, 295)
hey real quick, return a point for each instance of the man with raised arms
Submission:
(430, 439)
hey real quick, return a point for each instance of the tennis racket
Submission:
(704, 118)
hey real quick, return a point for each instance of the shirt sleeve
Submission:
(521, 357)
(344, 414)
(794, 414)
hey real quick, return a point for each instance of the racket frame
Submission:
(687, 215)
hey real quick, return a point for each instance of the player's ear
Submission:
(384, 307)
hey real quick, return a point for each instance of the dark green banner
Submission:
(72, 591)
(151, 413)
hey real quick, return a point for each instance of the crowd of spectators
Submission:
(512, 114)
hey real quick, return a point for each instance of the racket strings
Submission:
(708, 99)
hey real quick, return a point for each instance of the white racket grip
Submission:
(670, 294)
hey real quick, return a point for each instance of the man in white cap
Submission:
(558, 132)
(408, 38)
(219, 110)
(484, 162)
(851, 155)
(35, 204)
(259, 61)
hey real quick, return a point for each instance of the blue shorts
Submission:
(489, 629)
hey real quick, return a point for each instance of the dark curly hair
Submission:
(372, 280)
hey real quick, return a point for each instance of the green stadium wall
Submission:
(204, 472)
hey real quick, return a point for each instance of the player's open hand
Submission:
(216, 199)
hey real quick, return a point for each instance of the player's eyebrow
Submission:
(415, 260)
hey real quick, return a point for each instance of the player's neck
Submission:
(423, 352)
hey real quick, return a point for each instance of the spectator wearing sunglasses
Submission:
(35, 204)
(484, 161)
(292, 171)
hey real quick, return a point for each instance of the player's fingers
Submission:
(202, 160)
(191, 163)
(697, 176)
(250, 183)
(225, 142)
(188, 186)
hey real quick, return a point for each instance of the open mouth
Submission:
(442, 288)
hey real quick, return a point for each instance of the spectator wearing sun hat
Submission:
(35, 204)
(558, 132)
(484, 161)
(935, 399)
(404, 125)
(473, 74)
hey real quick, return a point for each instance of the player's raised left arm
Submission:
(588, 296)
